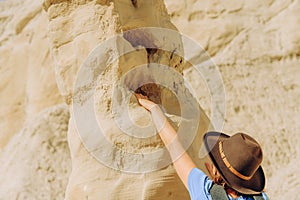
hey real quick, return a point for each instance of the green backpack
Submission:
(217, 192)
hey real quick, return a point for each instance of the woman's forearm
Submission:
(183, 164)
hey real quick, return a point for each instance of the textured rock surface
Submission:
(70, 45)
(36, 162)
(254, 43)
(27, 77)
(256, 46)
(34, 154)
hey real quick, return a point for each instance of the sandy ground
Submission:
(254, 44)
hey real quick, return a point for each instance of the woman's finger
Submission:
(139, 96)
(143, 101)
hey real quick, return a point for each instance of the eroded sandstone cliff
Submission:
(44, 44)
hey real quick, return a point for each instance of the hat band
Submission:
(229, 166)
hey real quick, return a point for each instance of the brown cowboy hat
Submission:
(237, 159)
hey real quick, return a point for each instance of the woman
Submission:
(235, 167)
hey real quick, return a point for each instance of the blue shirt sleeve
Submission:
(199, 185)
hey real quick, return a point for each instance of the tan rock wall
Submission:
(256, 46)
(74, 32)
(43, 44)
(35, 161)
(27, 77)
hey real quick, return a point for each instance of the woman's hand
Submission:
(158, 117)
(143, 101)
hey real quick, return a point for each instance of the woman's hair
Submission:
(217, 179)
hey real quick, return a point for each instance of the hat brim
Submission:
(253, 186)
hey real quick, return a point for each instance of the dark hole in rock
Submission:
(151, 50)
(150, 90)
(134, 3)
(161, 95)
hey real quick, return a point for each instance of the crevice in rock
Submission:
(141, 38)
(23, 22)
(150, 90)
(134, 3)
(138, 38)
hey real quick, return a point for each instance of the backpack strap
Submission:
(217, 192)
(258, 197)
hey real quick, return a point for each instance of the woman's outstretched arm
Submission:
(183, 163)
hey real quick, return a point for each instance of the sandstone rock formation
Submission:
(43, 45)
(35, 160)
(71, 45)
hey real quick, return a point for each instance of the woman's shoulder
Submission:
(199, 184)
